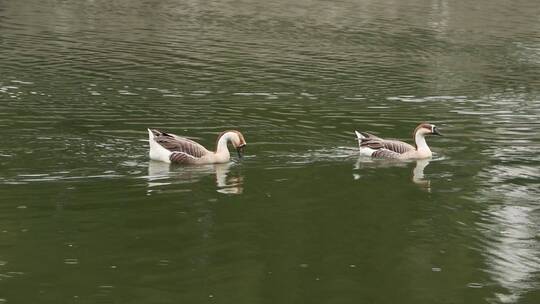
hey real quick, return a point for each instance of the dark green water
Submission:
(86, 218)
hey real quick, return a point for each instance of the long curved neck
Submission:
(421, 144)
(222, 144)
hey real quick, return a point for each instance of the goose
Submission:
(171, 148)
(376, 147)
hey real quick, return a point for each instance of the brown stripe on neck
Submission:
(420, 126)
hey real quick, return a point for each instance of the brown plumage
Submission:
(385, 148)
(175, 143)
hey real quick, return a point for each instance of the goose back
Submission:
(179, 146)
(391, 145)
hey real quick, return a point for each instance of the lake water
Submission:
(86, 218)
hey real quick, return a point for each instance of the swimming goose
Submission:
(171, 148)
(371, 145)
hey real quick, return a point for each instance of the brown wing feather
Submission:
(175, 143)
(377, 143)
(385, 153)
(182, 158)
(397, 146)
(371, 143)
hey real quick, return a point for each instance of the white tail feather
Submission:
(157, 152)
(359, 135)
(363, 150)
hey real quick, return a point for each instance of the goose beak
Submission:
(436, 131)
(240, 151)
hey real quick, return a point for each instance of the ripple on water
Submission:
(509, 228)
(71, 261)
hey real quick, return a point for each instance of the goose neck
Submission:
(222, 144)
(421, 144)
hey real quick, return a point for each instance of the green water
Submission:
(86, 218)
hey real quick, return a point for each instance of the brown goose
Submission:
(371, 145)
(171, 148)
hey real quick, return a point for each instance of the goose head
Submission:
(239, 143)
(237, 140)
(425, 129)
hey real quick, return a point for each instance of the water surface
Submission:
(85, 217)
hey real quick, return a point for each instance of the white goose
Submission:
(171, 148)
(371, 145)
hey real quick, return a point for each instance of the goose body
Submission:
(376, 147)
(171, 148)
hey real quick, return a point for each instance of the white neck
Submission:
(222, 144)
(421, 145)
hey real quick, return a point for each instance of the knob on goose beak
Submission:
(435, 131)
(240, 151)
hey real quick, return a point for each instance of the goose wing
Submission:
(391, 145)
(385, 153)
(183, 148)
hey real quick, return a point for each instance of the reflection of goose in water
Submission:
(417, 172)
(226, 183)
(160, 174)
